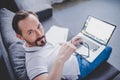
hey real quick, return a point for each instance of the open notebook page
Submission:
(57, 34)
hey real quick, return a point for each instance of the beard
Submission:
(41, 41)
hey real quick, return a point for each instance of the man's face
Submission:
(32, 31)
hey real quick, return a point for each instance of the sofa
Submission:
(12, 53)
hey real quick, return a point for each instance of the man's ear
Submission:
(20, 36)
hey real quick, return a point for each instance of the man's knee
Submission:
(107, 51)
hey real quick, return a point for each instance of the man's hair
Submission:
(21, 15)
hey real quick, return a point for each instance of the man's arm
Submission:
(65, 52)
(55, 73)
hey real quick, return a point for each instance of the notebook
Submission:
(57, 34)
(96, 34)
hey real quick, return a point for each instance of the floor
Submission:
(73, 13)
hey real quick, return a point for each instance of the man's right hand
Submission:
(66, 50)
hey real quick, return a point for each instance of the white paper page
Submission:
(57, 34)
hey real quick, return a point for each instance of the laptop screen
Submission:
(100, 31)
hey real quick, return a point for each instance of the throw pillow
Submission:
(8, 35)
(17, 57)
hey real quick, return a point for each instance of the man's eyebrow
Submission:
(39, 25)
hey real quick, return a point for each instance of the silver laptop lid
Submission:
(98, 30)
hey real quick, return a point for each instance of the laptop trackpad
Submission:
(82, 50)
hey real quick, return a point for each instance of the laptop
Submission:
(96, 34)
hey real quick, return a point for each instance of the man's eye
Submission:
(30, 32)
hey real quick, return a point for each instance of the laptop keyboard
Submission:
(92, 46)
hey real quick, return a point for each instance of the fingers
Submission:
(66, 50)
(76, 40)
(68, 46)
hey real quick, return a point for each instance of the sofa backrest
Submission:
(13, 57)
(6, 60)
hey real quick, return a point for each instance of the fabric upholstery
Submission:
(32, 5)
(42, 7)
(10, 39)
(17, 57)
(7, 32)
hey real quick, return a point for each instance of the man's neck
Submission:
(28, 45)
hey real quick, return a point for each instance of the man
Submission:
(45, 61)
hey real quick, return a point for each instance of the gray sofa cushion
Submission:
(16, 52)
(36, 6)
(17, 57)
(6, 30)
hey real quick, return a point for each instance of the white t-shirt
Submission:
(39, 60)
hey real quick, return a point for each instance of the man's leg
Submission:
(87, 67)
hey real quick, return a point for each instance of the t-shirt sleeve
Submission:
(36, 65)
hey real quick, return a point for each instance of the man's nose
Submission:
(38, 33)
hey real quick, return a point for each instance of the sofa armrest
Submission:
(42, 7)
